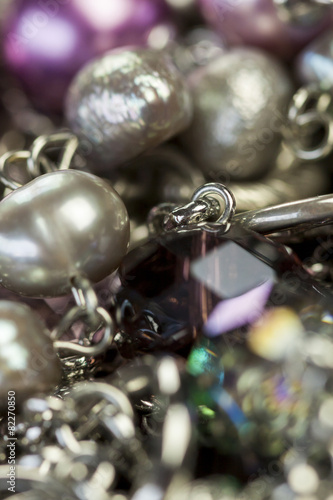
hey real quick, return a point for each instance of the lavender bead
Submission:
(259, 23)
(47, 42)
(315, 63)
(128, 102)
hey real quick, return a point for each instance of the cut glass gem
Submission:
(196, 281)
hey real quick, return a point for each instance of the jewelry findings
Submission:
(158, 339)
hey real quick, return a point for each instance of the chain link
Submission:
(95, 319)
(309, 131)
(83, 445)
(211, 202)
(36, 161)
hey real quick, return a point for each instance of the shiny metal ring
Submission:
(16, 157)
(223, 195)
(303, 96)
(66, 140)
(324, 148)
(76, 314)
(8, 159)
(309, 106)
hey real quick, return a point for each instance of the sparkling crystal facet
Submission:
(196, 281)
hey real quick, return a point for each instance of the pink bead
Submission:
(257, 23)
(47, 41)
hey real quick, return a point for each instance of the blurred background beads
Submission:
(240, 101)
(315, 63)
(47, 42)
(260, 23)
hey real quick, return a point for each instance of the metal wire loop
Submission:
(6, 161)
(65, 140)
(35, 162)
(17, 158)
(308, 112)
(77, 314)
(222, 195)
(325, 145)
(84, 294)
(211, 202)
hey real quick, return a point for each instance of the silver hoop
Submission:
(223, 196)
(300, 114)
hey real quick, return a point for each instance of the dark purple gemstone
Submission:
(185, 283)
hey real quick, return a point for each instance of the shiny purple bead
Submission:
(259, 23)
(47, 41)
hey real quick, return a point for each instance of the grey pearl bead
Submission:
(315, 63)
(57, 226)
(28, 361)
(240, 101)
(127, 102)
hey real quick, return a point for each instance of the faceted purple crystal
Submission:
(190, 282)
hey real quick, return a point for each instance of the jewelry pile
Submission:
(166, 297)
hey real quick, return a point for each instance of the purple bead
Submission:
(47, 42)
(258, 23)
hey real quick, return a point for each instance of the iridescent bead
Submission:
(127, 102)
(260, 23)
(29, 364)
(47, 42)
(240, 101)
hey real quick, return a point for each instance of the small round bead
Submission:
(66, 222)
(239, 104)
(28, 361)
(127, 102)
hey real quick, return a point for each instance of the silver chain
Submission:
(32, 164)
(83, 444)
(35, 162)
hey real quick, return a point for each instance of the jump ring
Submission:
(76, 314)
(223, 195)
